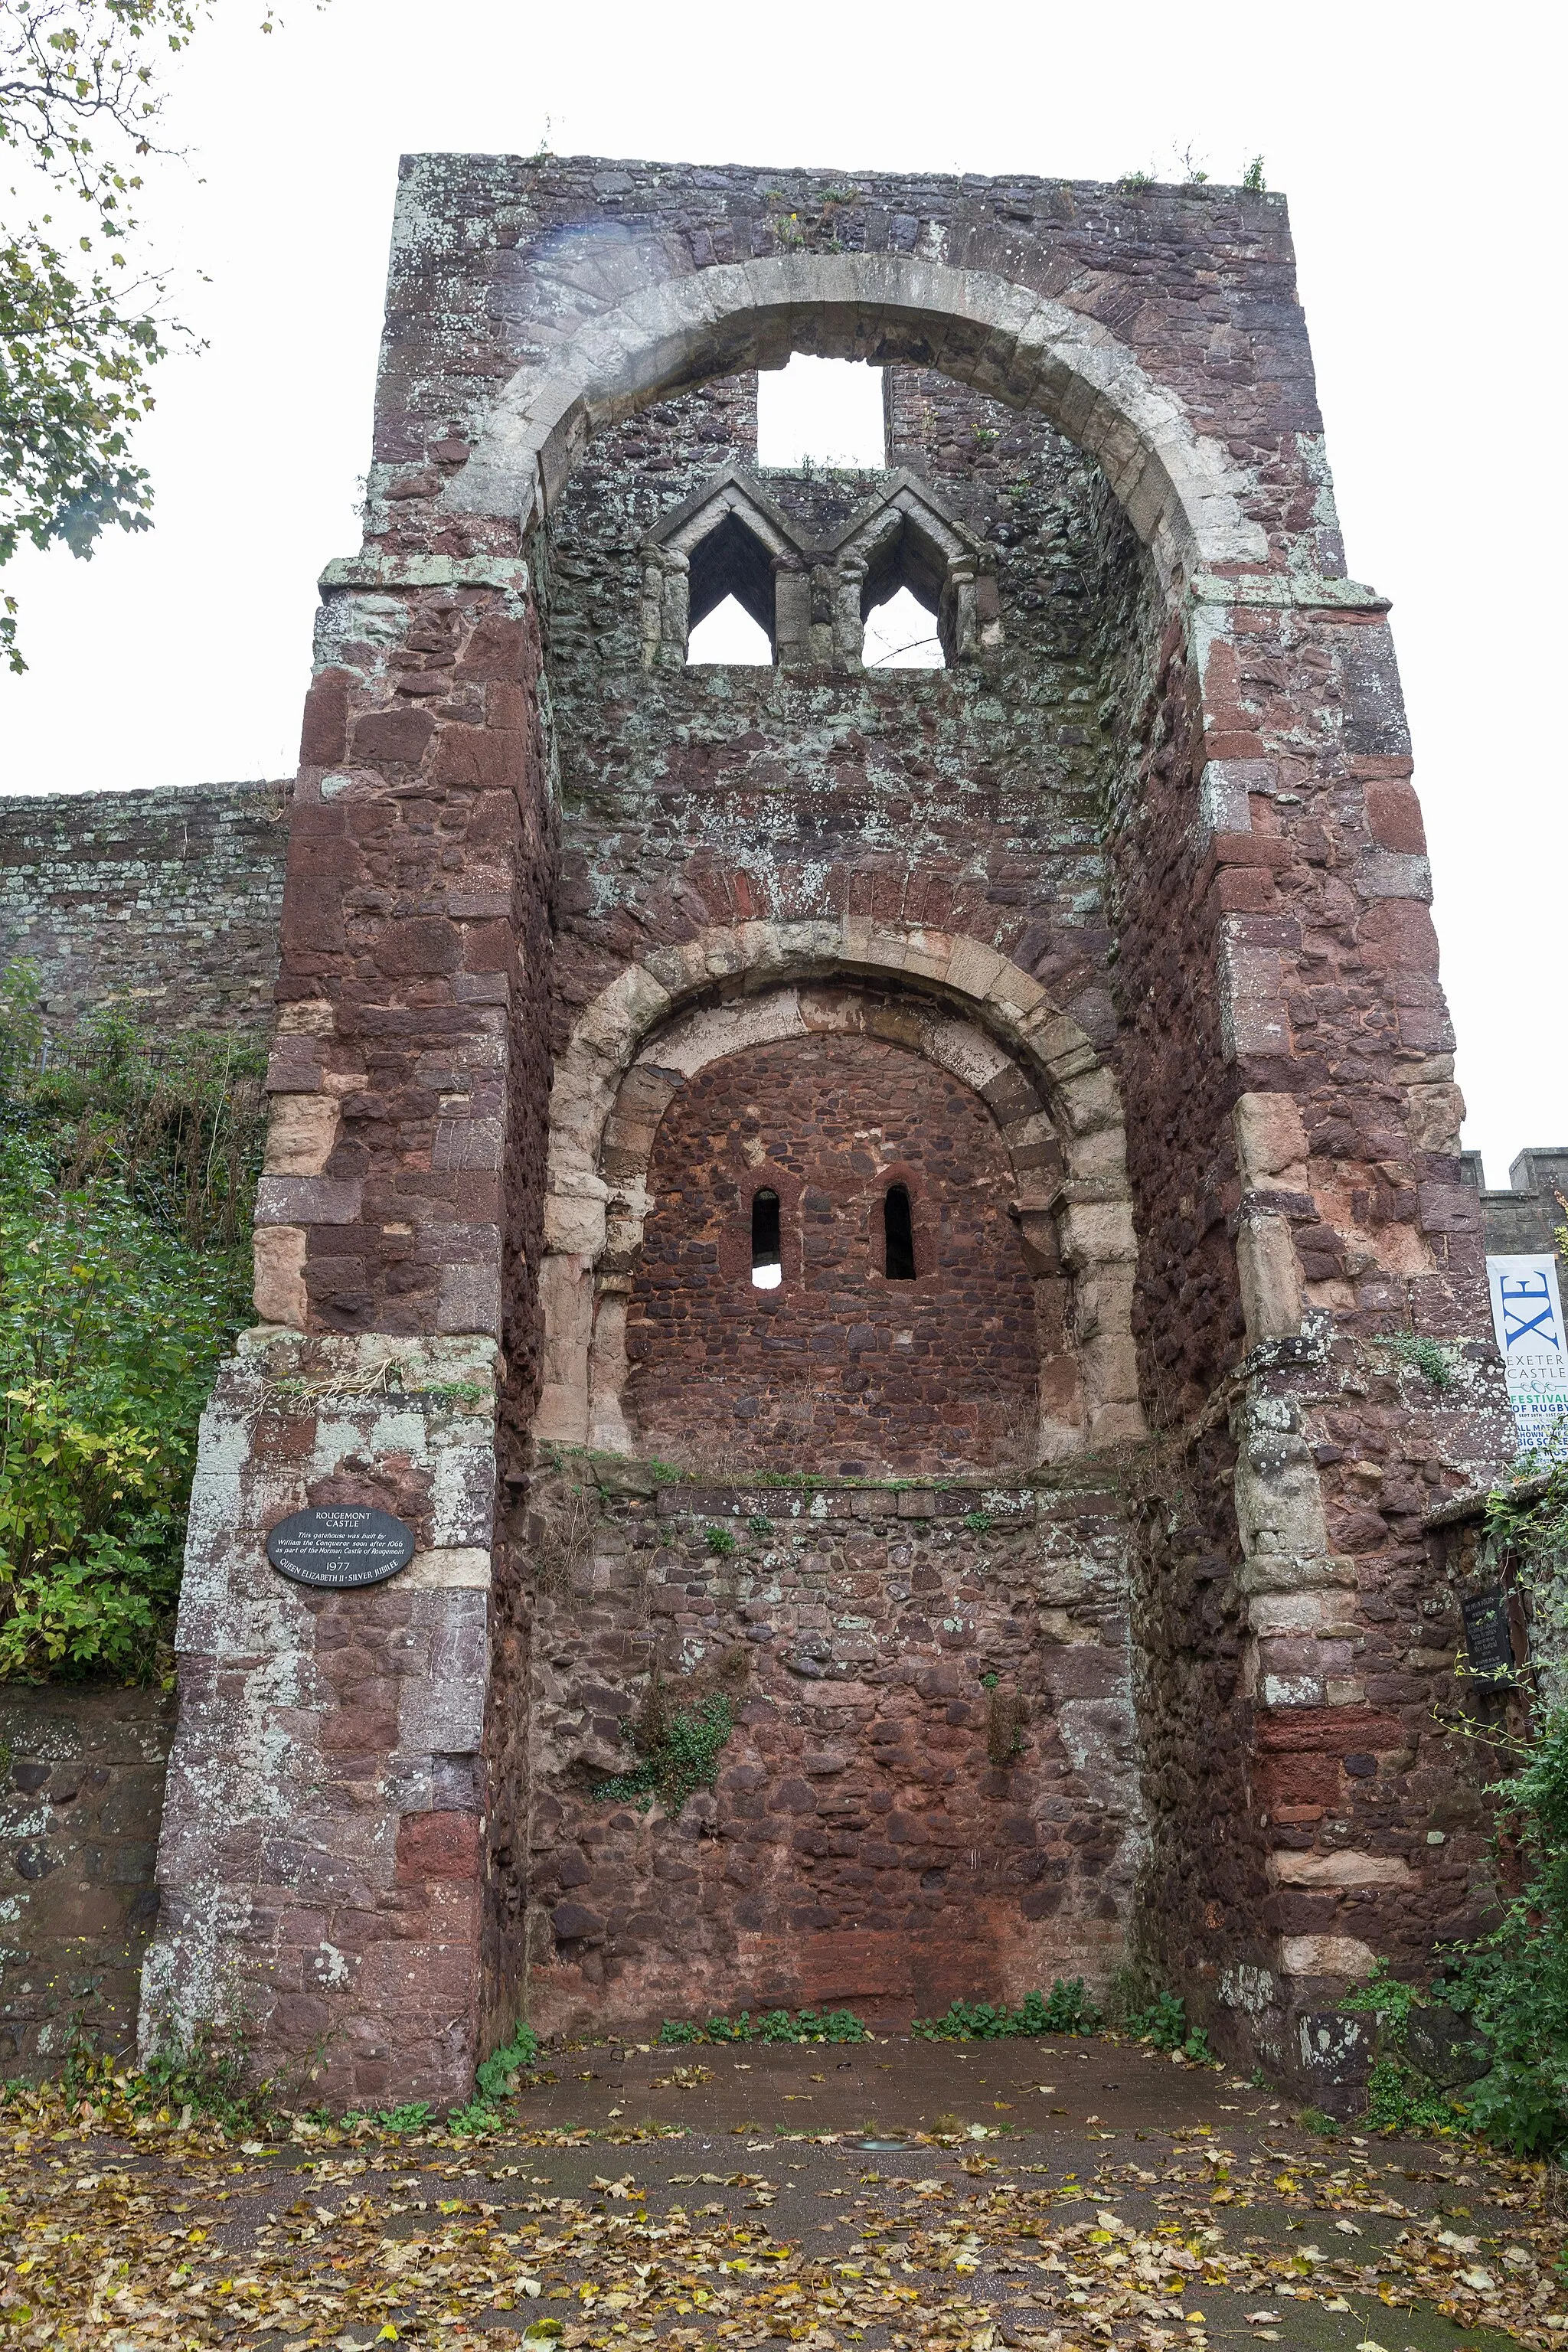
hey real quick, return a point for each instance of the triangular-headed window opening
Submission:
(728, 633)
(901, 634)
(901, 600)
(732, 563)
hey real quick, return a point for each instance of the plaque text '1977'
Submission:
(340, 1548)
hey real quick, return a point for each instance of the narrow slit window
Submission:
(898, 1235)
(767, 1262)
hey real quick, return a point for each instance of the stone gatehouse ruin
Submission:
(874, 1192)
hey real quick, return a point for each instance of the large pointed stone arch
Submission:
(611, 349)
(593, 1206)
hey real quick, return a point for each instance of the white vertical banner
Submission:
(1527, 1316)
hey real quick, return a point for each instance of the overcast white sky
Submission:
(1421, 151)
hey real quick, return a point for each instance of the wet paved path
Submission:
(1055, 2193)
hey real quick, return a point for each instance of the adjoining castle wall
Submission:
(81, 1797)
(164, 905)
(1523, 1219)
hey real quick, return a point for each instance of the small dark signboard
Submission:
(1488, 1641)
(340, 1548)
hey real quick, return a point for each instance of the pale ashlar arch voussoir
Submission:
(1181, 488)
(609, 1091)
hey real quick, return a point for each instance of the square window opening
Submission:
(821, 413)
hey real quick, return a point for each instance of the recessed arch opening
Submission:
(960, 1003)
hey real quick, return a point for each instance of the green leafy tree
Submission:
(82, 326)
(111, 1331)
(126, 1176)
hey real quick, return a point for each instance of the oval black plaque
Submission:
(340, 1547)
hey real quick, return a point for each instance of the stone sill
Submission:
(1003, 1506)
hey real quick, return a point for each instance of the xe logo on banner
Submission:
(1527, 1316)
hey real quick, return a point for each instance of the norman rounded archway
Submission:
(1181, 489)
(957, 1001)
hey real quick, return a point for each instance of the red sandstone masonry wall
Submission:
(1358, 1827)
(1265, 968)
(418, 865)
(838, 1361)
(82, 1789)
(336, 1876)
(860, 1845)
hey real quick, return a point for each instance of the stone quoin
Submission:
(1056, 1530)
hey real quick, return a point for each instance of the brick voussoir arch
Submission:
(602, 1131)
(1181, 490)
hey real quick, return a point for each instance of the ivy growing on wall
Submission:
(126, 1177)
(1509, 1988)
(1527, 1526)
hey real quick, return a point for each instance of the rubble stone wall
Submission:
(930, 1373)
(931, 1790)
(163, 903)
(82, 1783)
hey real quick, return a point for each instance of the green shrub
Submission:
(681, 1746)
(774, 2025)
(110, 1333)
(1068, 2010)
(496, 2077)
(809, 2025)
(1399, 2096)
(177, 1123)
(1512, 1984)
(1164, 2022)
(209, 2071)
(126, 1175)
(414, 2118)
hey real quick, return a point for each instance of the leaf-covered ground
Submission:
(1061, 2195)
